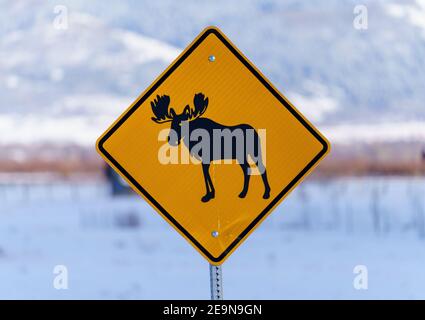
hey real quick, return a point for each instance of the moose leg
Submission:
(212, 190)
(266, 194)
(208, 183)
(263, 171)
(246, 176)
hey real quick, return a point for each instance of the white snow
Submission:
(376, 132)
(12, 81)
(413, 13)
(121, 249)
(146, 49)
(30, 129)
(314, 108)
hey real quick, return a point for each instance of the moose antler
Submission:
(160, 109)
(200, 103)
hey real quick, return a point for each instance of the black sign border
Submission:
(206, 33)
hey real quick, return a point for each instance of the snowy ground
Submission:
(119, 248)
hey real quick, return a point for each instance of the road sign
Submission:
(212, 145)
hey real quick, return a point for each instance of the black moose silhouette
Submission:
(192, 118)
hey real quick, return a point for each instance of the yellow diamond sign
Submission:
(212, 145)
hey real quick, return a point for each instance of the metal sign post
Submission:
(216, 282)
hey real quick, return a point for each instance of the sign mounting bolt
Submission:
(211, 58)
(214, 234)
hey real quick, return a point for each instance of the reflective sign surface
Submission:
(212, 146)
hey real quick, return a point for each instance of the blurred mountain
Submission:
(68, 85)
(311, 52)
(64, 85)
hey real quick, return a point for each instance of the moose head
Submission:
(163, 113)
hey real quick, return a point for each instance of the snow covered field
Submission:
(119, 248)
